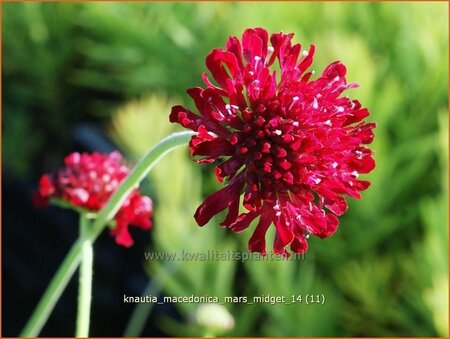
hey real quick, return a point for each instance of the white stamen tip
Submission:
(334, 164)
(295, 123)
(307, 236)
(251, 73)
(355, 174)
(270, 49)
(315, 104)
(313, 72)
(257, 58)
(337, 78)
(295, 98)
(278, 132)
(328, 122)
(305, 53)
(278, 213)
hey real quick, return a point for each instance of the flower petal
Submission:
(308, 59)
(244, 220)
(121, 234)
(337, 205)
(284, 235)
(257, 242)
(332, 223)
(252, 46)
(299, 244)
(227, 169)
(356, 115)
(185, 118)
(46, 187)
(211, 148)
(217, 202)
(234, 46)
(217, 60)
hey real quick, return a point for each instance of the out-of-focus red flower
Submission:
(292, 145)
(88, 181)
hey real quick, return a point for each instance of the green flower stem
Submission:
(85, 282)
(72, 260)
(53, 292)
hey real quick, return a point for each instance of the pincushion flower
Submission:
(292, 145)
(88, 181)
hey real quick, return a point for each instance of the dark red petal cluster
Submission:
(88, 181)
(292, 145)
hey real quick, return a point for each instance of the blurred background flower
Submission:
(86, 182)
(98, 76)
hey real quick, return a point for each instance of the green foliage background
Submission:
(384, 273)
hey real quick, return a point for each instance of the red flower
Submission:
(292, 145)
(88, 181)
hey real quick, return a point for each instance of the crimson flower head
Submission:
(291, 144)
(88, 181)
